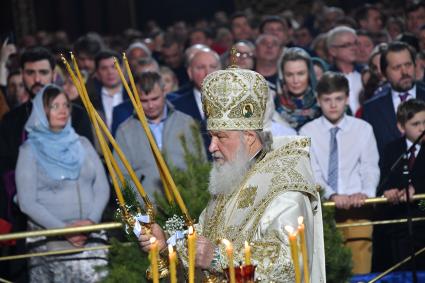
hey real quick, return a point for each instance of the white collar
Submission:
(106, 93)
(342, 124)
(409, 144)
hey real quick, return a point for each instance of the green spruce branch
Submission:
(337, 257)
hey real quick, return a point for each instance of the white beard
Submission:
(226, 178)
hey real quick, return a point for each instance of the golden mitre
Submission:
(234, 99)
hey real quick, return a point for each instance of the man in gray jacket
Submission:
(167, 126)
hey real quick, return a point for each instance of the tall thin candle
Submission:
(247, 253)
(292, 235)
(172, 257)
(229, 251)
(154, 260)
(301, 231)
(191, 248)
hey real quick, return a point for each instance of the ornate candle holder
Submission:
(130, 219)
(243, 274)
(162, 269)
(211, 278)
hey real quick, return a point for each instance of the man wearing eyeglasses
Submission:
(244, 54)
(342, 43)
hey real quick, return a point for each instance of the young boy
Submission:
(344, 158)
(411, 123)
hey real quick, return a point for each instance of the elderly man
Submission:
(188, 101)
(343, 48)
(257, 186)
(245, 51)
(137, 51)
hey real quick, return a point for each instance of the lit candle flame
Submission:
(226, 243)
(300, 220)
(152, 240)
(289, 229)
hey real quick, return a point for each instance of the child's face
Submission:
(414, 127)
(333, 105)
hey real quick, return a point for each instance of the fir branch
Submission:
(337, 257)
(132, 207)
(130, 198)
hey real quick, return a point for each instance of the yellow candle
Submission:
(130, 77)
(247, 254)
(172, 259)
(301, 231)
(294, 252)
(191, 248)
(154, 260)
(229, 251)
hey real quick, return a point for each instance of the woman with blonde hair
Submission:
(296, 101)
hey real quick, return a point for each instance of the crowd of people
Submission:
(352, 81)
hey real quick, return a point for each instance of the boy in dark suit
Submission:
(411, 123)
